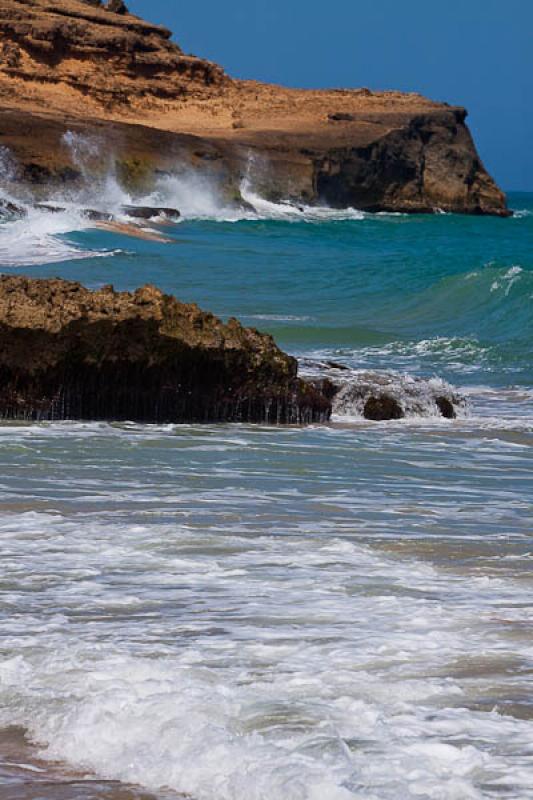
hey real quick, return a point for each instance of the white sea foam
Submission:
(507, 281)
(236, 667)
(279, 317)
(460, 354)
(43, 237)
(417, 397)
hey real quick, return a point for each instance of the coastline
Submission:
(280, 549)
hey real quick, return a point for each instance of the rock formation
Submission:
(70, 353)
(84, 66)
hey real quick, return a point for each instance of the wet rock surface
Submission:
(151, 212)
(148, 213)
(383, 407)
(70, 353)
(446, 407)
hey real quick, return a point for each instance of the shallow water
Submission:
(250, 613)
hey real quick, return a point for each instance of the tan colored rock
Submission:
(74, 64)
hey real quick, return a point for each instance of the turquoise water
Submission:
(462, 286)
(249, 613)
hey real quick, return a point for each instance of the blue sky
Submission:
(476, 53)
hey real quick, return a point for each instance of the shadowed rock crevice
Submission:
(68, 353)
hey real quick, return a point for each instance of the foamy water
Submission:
(240, 612)
(249, 613)
(42, 237)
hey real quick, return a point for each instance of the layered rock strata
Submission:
(70, 353)
(84, 66)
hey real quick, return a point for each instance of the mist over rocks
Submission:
(99, 70)
(70, 353)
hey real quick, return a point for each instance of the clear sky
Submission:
(476, 53)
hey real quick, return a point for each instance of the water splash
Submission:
(431, 398)
(406, 396)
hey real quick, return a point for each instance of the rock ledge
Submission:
(70, 353)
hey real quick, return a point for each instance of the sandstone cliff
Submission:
(86, 66)
(69, 353)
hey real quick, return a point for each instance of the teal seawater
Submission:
(446, 293)
(234, 612)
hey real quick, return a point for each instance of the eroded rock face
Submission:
(69, 353)
(102, 52)
(428, 163)
(90, 65)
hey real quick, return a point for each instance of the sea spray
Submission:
(393, 395)
(8, 166)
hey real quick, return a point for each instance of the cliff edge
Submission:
(88, 66)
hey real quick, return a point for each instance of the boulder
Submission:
(70, 353)
(117, 6)
(446, 407)
(383, 407)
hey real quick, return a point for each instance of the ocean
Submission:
(242, 612)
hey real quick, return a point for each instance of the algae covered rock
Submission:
(70, 353)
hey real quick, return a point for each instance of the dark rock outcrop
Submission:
(428, 163)
(151, 212)
(70, 353)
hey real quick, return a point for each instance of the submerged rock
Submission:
(383, 407)
(446, 407)
(70, 353)
(151, 212)
(10, 210)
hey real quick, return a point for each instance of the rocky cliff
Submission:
(69, 353)
(89, 66)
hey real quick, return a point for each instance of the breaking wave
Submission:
(39, 237)
(42, 238)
